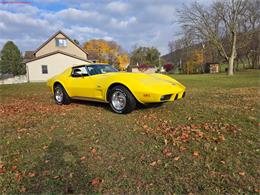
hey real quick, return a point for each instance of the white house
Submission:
(53, 57)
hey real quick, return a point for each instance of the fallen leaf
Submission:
(83, 158)
(242, 173)
(184, 137)
(1, 165)
(176, 158)
(145, 126)
(196, 153)
(199, 133)
(45, 147)
(14, 168)
(2, 171)
(167, 152)
(31, 174)
(153, 163)
(165, 141)
(221, 137)
(96, 181)
(223, 162)
(18, 176)
(93, 151)
(182, 149)
(257, 190)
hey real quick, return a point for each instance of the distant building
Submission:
(211, 68)
(54, 56)
(147, 70)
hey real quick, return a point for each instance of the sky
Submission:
(130, 22)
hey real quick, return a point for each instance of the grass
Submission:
(206, 143)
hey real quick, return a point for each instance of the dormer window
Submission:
(61, 43)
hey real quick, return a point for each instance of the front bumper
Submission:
(161, 97)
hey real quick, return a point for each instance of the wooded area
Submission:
(224, 32)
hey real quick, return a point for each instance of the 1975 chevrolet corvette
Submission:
(122, 90)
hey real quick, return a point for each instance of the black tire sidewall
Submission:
(130, 101)
(55, 88)
(65, 99)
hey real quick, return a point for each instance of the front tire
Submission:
(60, 95)
(121, 100)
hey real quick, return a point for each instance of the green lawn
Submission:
(207, 143)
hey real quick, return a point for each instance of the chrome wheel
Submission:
(118, 100)
(59, 95)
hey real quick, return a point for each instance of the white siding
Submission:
(148, 71)
(56, 63)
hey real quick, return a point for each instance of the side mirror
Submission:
(77, 73)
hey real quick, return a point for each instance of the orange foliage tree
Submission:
(107, 52)
(194, 61)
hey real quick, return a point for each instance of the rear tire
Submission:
(60, 95)
(121, 100)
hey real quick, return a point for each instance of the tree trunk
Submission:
(231, 66)
(233, 55)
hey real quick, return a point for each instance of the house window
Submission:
(44, 69)
(61, 42)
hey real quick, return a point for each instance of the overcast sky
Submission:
(129, 22)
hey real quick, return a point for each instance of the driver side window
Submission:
(79, 71)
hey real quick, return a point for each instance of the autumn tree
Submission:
(215, 23)
(11, 60)
(123, 61)
(107, 52)
(194, 61)
(145, 55)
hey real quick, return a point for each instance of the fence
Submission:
(14, 80)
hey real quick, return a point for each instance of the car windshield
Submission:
(100, 69)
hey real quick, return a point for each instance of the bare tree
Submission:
(249, 37)
(217, 25)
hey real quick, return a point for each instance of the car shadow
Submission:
(60, 170)
(106, 106)
(92, 103)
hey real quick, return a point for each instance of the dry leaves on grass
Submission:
(30, 105)
(212, 132)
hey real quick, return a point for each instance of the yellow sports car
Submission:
(122, 90)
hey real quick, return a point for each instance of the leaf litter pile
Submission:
(179, 135)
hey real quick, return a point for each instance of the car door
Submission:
(81, 84)
(95, 89)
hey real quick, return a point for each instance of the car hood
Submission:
(154, 81)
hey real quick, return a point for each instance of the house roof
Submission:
(29, 55)
(55, 52)
(53, 36)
